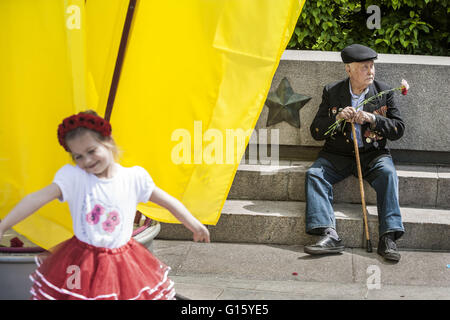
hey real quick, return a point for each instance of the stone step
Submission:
(419, 186)
(283, 222)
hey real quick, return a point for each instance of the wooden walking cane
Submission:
(361, 189)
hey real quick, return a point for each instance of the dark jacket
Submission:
(338, 147)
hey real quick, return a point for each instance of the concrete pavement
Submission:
(236, 271)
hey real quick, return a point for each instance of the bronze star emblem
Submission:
(284, 105)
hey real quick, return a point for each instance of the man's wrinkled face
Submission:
(361, 74)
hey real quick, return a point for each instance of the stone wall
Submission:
(425, 110)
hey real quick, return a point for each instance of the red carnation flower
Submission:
(405, 87)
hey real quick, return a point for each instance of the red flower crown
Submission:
(86, 120)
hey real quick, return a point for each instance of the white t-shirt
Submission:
(103, 210)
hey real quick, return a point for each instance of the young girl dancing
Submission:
(102, 260)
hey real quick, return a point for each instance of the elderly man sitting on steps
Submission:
(375, 124)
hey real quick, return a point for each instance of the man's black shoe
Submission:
(325, 245)
(387, 248)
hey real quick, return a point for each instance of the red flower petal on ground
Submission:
(16, 243)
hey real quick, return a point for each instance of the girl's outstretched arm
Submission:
(165, 200)
(28, 205)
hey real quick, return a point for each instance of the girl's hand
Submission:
(165, 200)
(28, 205)
(201, 234)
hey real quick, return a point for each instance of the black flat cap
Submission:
(357, 53)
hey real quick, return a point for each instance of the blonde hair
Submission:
(108, 141)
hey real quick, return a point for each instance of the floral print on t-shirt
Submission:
(112, 218)
(93, 217)
(111, 222)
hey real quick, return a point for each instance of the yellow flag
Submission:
(42, 81)
(46, 77)
(193, 83)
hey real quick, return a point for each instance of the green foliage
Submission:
(407, 26)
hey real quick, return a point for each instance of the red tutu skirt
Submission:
(76, 270)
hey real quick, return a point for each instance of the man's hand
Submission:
(361, 117)
(351, 115)
(347, 114)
